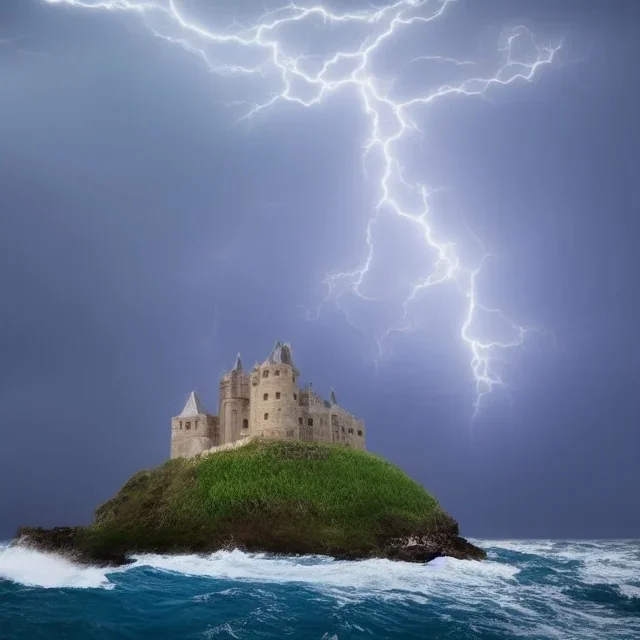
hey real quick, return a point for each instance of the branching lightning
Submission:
(222, 51)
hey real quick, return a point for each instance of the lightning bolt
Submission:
(264, 50)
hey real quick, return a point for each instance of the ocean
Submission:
(526, 589)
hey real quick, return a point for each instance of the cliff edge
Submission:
(283, 497)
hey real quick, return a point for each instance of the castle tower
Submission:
(194, 430)
(275, 411)
(234, 404)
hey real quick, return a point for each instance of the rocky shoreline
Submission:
(68, 541)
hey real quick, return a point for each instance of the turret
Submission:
(275, 411)
(194, 430)
(234, 404)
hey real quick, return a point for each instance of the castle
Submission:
(266, 403)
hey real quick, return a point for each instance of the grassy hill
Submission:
(275, 496)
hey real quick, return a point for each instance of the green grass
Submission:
(290, 497)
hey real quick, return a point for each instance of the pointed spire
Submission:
(275, 357)
(193, 406)
(238, 365)
(332, 397)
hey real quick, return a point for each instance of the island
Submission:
(280, 470)
(281, 497)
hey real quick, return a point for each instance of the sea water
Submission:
(526, 589)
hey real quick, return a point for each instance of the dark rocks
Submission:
(71, 543)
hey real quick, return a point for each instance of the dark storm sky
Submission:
(144, 240)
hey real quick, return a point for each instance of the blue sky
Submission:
(147, 237)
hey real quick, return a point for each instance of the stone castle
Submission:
(266, 403)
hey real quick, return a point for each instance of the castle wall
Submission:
(234, 406)
(346, 429)
(274, 402)
(193, 435)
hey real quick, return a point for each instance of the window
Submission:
(245, 424)
(359, 432)
(310, 422)
(266, 416)
(265, 396)
(334, 421)
(180, 425)
(342, 429)
(293, 378)
(277, 372)
(187, 425)
(196, 424)
(265, 373)
(350, 430)
(295, 396)
(277, 395)
(299, 421)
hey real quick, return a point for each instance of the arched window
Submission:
(277, 372)
(265, 373)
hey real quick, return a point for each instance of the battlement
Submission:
(267, 403)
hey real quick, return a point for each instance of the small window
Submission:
(300, 421)
(295, 396)
(196, 424)
(342, 429)
(350, 430)
(277, 395)
(187, 425)
(310, 422)
(245, 424)
(359, 432)
(265, 396)
(180, 425)
(265, 373)
(266, 416)
(277, 372)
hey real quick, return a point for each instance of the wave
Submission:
(596, 562)
(37, 569)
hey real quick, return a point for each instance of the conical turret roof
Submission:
(193, 407)
(332, 397)
(280, 354)
(238, 365)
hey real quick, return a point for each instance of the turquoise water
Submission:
(526, 589)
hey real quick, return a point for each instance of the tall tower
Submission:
(275, 411)
(234, 404)
(194, 430)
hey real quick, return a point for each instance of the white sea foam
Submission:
(367, 577)
(34, 568)
(609, 562)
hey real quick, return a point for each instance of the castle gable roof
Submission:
(193, 407)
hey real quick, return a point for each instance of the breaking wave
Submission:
(529, 589)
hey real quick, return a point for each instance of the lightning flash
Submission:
(266, 51)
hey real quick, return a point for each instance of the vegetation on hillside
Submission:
(280, 496)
